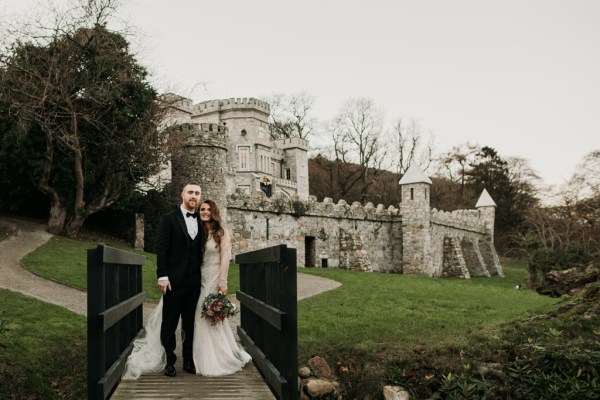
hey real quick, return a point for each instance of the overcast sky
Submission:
(520, 76)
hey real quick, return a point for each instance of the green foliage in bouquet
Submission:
(217, 307)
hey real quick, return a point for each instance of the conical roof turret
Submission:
(485, 200)
(414, 174)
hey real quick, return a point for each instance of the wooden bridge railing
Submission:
(269, 316)
(114, 315)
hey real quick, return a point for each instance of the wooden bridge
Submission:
(268, 331)
(247, 384)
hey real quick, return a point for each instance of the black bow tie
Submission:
(189, 214)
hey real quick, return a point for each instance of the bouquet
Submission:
(217, 307)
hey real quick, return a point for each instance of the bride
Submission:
(215, 351)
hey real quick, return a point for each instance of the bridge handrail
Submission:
(269, 316)
(114, 315)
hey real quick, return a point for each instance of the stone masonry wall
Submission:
(347, 236)
(202, 157)
(459, 232)
(412, 239)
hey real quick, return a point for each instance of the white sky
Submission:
(521, 76)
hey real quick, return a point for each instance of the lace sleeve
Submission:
(225, 257)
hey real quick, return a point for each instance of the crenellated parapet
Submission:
(258, 201)
(291, 143)
(201, 134)
(177, 102)
(232, 104)
(467, 220)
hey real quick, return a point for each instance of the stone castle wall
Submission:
(356, 237)
(201, 156)
(411, 239)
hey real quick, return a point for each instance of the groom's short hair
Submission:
(191, 182)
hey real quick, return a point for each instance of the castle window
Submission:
(244, 156)
(412, 193)
(243, 132)
(288, 174)
(272, 169)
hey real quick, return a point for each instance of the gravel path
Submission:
(30, 235)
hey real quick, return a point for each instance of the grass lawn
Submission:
(65, 260)
(395, 314)
(373, 322)
(42, 350)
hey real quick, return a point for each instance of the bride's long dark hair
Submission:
(216, 226)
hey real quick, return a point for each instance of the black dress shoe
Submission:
(170, 370)
(188, 366)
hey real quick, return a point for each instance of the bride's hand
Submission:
(223, 291)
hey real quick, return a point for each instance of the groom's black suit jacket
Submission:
(177, 254)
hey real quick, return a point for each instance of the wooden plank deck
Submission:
(246, 384)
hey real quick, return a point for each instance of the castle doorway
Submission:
(310, 252)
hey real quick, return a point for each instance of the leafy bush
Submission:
(545, 260)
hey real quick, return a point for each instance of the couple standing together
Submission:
(193, 252)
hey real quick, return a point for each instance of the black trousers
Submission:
(180, 302)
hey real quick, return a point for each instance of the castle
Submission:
(263, 186)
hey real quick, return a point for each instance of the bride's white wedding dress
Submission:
(215, 349)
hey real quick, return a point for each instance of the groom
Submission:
(179, 255)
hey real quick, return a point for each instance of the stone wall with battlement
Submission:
(230, 104)
(467, 220)
(335, 235)
(411, 238)
(290, 143)
(361, 238)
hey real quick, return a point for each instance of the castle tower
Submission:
(250, 158)
(296, 162)
(201, 154)
(416, 222)
(487, 211)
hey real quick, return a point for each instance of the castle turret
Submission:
(296, 163)
(416, 222)
(487, 212)
(200, 154)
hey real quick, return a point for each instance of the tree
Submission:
(452, 166)
(82, 91)
(357, 138)
(409, 146)
(291, 115)
(509, 184)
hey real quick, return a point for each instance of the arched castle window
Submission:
(412, 193)
(243, 132)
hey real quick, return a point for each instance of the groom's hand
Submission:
(163, 285)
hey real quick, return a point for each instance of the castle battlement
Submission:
(232, 104)
(216, 129)
(178, 102)
(257, 200)
(469, 220)
(408, 238)
(201, 134)
(289, 143)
